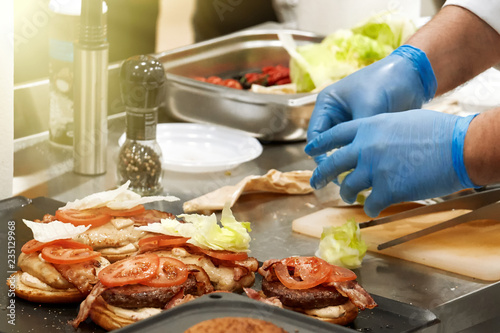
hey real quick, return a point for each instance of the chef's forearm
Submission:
(459, 46)
(482, 148)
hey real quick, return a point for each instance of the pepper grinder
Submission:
(142, 83)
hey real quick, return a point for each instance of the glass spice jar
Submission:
(140, 158)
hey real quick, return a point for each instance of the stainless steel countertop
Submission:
(42, 169)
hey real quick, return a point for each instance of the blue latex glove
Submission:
(403, 156)
(402, 81)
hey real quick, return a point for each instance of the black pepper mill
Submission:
(142, 80)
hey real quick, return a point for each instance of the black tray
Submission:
(389, 316)
(217, 305)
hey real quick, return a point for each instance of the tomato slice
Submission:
(171, 272)
(130, 271)
(224, 255)
(83, 217)
(34, 245)
(288, 281)
(123, 212)
(155, 242)
(308, 267)
(68, 253)
(341, 274)
(308, 272)
(71, 244)
(172, 241)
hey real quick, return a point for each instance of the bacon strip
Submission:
(255, 295)
(268, 263)
(241, 268)
(82, 275)
(179, 299)
(86, 305)
(203, 280)
(266, 271)
(239, 272)
(46, 219)
(250, 263)
(359, 296)
(351, 289)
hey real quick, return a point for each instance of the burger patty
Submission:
(141, 296)
(313, 298)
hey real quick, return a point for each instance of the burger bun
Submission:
(235, 325)
(350, 313)
(103, 316)
(52, 295)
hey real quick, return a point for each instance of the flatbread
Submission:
(293, 182)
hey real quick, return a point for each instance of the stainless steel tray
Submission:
(268, 117)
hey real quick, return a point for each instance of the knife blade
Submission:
(470, 201)
(491, 211)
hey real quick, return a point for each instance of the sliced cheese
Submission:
(221, 277)
(121, 222)
(327, 312)
(134, 314)
(129, 248)
(35, 282)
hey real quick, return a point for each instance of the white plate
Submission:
(190, 147)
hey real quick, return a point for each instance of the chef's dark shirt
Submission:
(214, 18)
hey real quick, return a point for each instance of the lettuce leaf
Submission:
(356, 49)
(361, 197)
(48, 232)
(205, 232)
(315, 65)
(342, 246)
(322, 68)
(386, 28)
(119, 198)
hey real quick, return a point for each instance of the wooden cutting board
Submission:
(471, 249)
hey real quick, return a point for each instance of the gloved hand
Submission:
(402, 81)
(403, 156)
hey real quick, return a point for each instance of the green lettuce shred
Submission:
(348, 50)
(361, 197)
(205, 232)
(342, 246)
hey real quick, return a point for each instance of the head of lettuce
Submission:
(316, 65)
